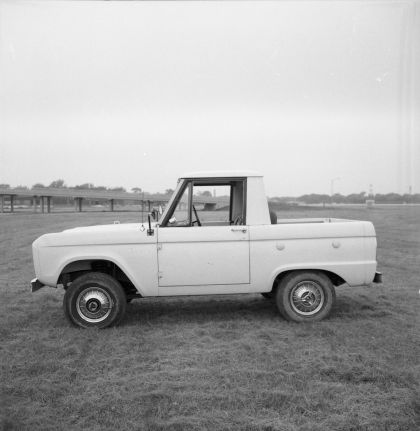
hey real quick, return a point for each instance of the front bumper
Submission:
(378, 277)
(36, 285)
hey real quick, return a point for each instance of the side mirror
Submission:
(156, 212)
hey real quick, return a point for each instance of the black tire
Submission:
(268, 295)
(95, 300)
(305, 296)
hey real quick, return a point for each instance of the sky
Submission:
(312, 94)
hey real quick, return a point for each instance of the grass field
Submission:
(213, 363)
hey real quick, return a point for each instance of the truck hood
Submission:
(124, 233)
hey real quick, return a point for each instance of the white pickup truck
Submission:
(216, 236)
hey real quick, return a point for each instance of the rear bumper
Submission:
(36, 285)
(378, 277)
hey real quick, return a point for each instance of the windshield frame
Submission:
(163, 221)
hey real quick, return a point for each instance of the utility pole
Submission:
(332, 186)
(142, 207)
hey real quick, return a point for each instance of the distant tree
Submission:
(206, 193)
(324, 198)
(407, 198)
(337, 198)
(136, 189)
(356, 198)
(393, 198)
(57, 184)
(169, 191)
(415, 198)
(99, 188)
(4, 186)
(389, 198)
(38, 186)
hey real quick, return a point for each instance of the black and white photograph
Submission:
(210, 215)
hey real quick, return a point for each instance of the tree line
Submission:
(313, 198)
(353, 198)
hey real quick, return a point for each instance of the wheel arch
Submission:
(335, 279)
(76, 267)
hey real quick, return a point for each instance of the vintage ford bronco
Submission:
(216, 236)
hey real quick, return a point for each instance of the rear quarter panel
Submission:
(341, 247)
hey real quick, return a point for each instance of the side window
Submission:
(220, 204)
(211, 205)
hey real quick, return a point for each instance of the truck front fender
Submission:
(138, 265)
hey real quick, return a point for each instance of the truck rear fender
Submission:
(336, 280)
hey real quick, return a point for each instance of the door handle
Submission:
(238, 229)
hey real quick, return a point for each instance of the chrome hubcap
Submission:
(94, 304)
(307, 298)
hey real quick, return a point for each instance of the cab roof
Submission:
(221, 174)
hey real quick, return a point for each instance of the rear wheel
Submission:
(95, 300)
(305, 296)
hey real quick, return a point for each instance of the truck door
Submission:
(204, 244)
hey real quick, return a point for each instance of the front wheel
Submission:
(305, 296)
(95, 300)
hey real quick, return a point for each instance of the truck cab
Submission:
(206, 222)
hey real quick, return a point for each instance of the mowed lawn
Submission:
(213, 363)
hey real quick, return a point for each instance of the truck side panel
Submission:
(340, 248)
